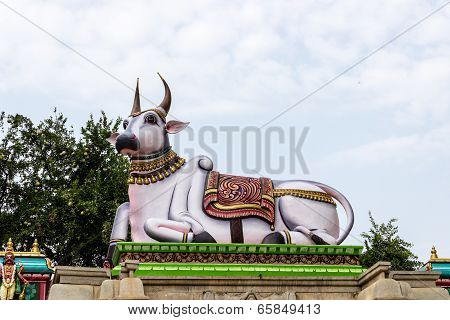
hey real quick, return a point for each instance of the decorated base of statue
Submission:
(261, 260)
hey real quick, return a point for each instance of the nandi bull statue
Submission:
(171, 200)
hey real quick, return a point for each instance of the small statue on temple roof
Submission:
(10, 272)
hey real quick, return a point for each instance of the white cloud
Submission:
(415, 151)
(265, 55)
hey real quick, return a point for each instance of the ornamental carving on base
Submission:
(180, 257)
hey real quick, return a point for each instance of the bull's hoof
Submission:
(203, 237)
(107, 264)
(274, 238)
(317, 239)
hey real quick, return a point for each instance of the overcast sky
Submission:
(380, 133)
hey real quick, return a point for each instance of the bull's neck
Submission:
(151, 156)
(155, 167)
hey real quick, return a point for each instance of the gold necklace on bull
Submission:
(155, 167)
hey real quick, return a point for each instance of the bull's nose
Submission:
(127, 141)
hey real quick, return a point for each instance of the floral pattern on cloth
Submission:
(228, 197)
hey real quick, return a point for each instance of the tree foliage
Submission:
(59, 188)
(382, 243)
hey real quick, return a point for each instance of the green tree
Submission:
(382, 243)
(60, 189)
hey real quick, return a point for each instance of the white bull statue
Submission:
(171, 200)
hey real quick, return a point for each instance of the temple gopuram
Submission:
(25, 275)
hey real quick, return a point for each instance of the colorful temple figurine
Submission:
(10, 274)
(25, 274)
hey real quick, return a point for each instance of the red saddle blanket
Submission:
(229, 197)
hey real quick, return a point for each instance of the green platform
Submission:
(229, 270)
(164, 259)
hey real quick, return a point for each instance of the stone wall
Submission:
(377, 283)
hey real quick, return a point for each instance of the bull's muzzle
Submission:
(127, 141)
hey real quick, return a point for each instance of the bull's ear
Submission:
(112, 139)
(174, 126)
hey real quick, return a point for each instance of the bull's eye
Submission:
(150, 118)
(125, 124)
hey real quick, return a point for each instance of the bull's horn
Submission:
(165, 104)
(137, 100)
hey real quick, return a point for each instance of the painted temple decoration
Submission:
(25, 275)
(441, 265)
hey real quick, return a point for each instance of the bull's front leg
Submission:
(183, 228)
(196, 233)
(119, 232)
(181, 225)
(168, 230)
